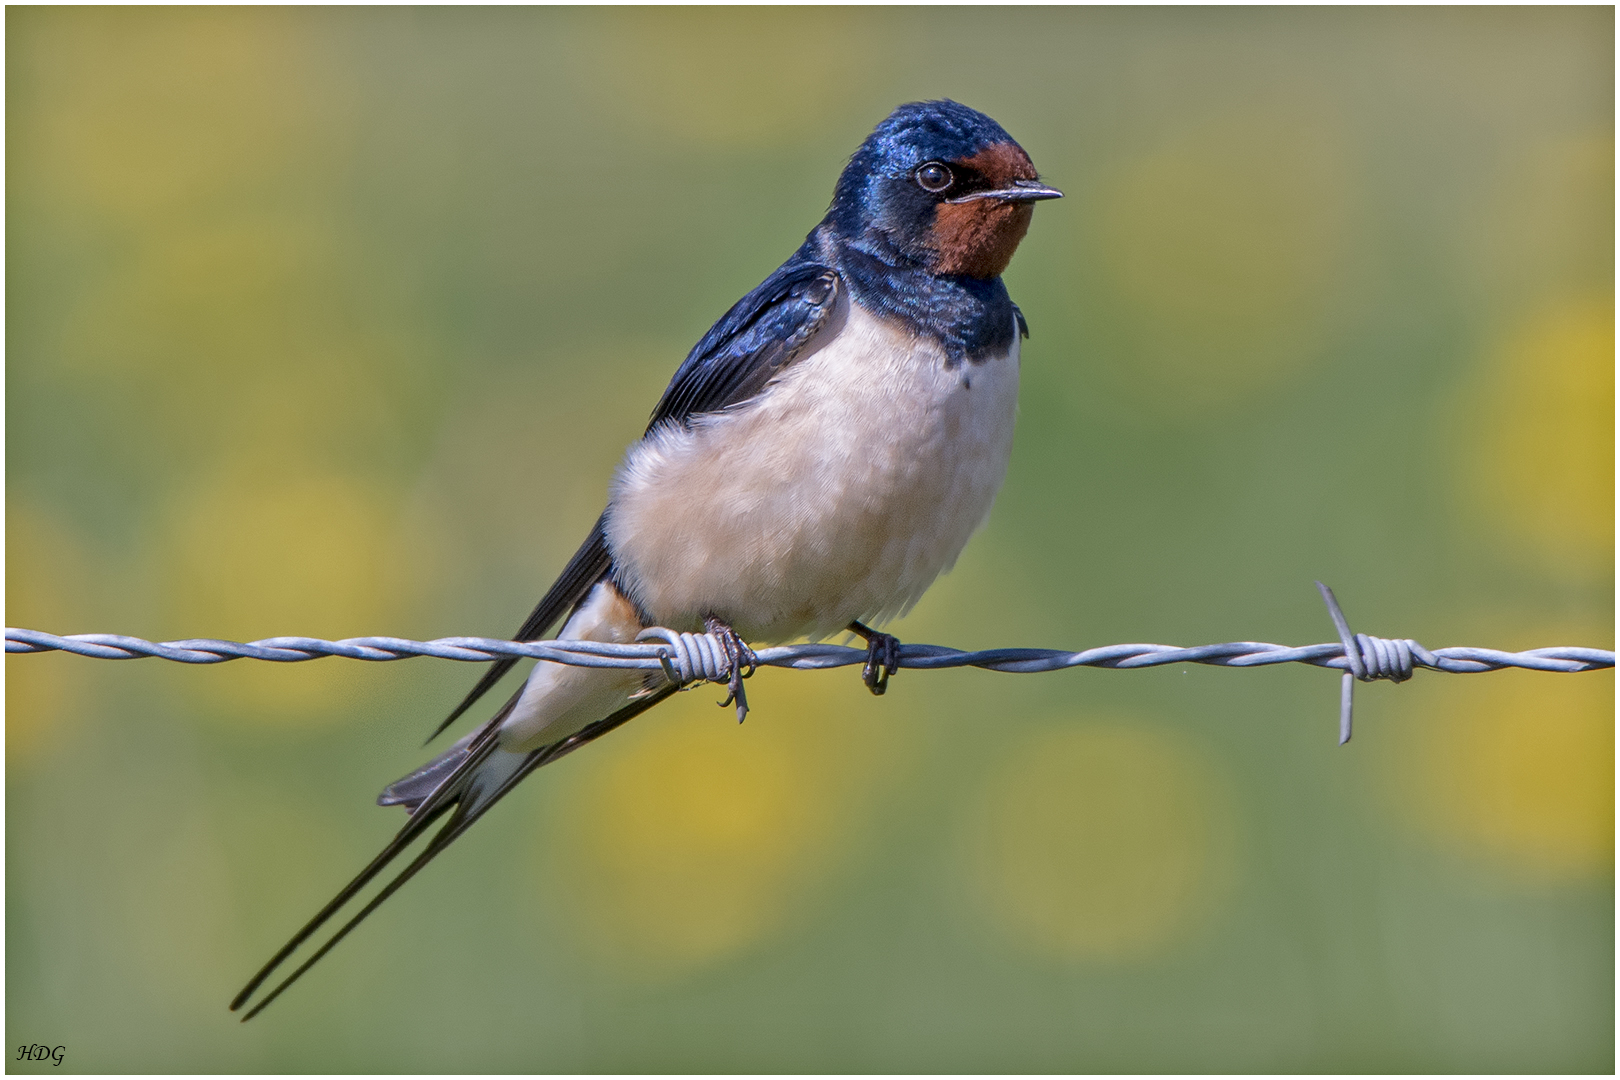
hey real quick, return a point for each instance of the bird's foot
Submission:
(740, 658)
(882, 657)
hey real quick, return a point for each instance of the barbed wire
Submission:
(686, 658)
(1458, 660)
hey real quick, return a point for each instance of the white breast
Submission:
(841, 492)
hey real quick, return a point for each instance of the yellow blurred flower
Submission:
(689, 839)
(1101, 842)
(1514, 768)
(1536, 450)
(150, 114)
(47, 576)
(249, 555)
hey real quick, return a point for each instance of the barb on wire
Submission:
(1368, 658)
(687, 658)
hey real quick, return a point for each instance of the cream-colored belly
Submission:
(840, 493)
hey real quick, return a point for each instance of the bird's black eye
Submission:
(934, 177)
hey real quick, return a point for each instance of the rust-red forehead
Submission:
(1001, 163)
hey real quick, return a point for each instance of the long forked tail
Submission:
(469, 803)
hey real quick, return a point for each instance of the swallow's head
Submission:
(942, 185)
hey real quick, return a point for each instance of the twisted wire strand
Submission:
(692, 658)
(687, 658)
(695, 657)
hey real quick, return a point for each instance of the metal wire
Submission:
(687, 658)
(1459, 660)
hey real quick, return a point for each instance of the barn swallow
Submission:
(821, 456)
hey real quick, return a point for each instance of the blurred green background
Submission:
(335, 322)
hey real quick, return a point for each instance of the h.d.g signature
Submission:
(40, 1052)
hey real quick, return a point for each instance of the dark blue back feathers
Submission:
(761, 333)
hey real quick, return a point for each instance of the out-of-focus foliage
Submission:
(335, 322)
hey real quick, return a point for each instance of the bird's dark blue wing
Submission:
(761, 334)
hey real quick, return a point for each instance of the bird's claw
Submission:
(739, 658)
(882, 657)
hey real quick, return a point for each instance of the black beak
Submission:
(1020, 191)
